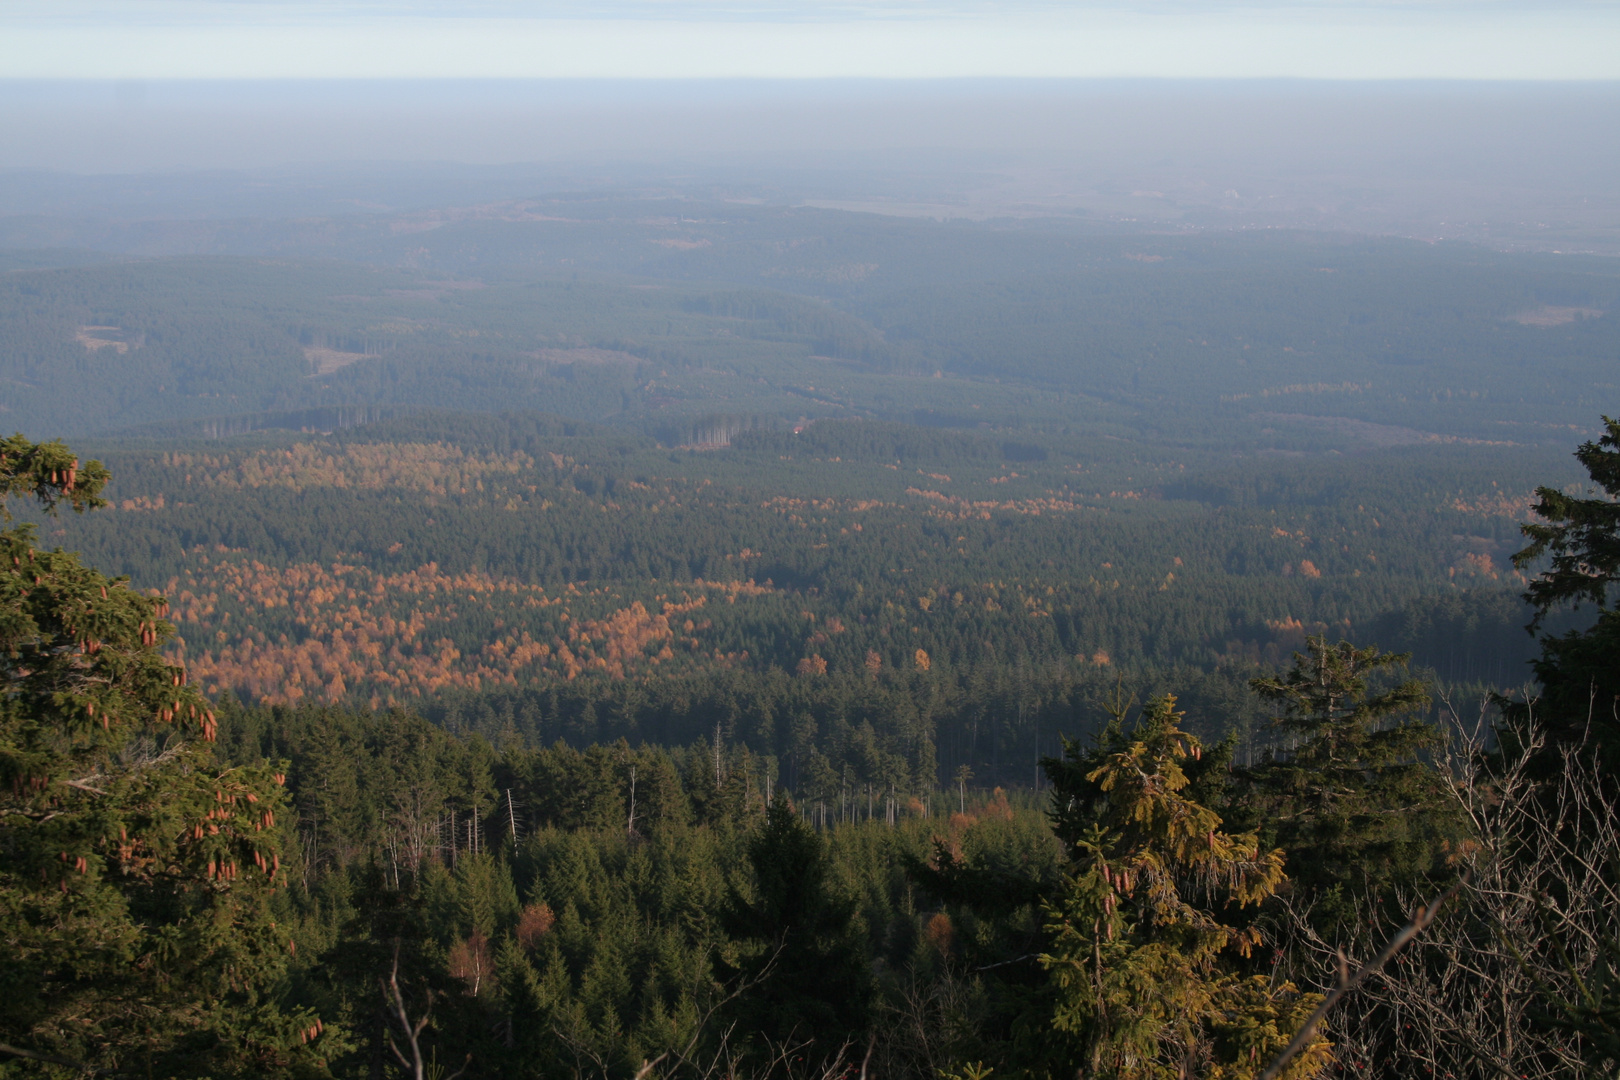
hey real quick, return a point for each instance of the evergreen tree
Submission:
(1344, 791)
(1580, 671)
(386, 933)
(1579, 702)
(136, 874)
(806, 969)
(1146, 950)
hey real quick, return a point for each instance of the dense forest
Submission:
(591, 637)
(206, 887)
(963, 598)
(605, 310)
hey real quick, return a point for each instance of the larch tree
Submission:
(136, 874)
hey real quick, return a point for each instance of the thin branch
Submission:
(1347, 982)
(1004, 963)
(37, 819)
(648, 1066)
(82, 786)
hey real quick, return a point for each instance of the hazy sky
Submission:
(1349, 39)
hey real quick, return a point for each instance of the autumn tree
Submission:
(136, 874)
(1148, 939)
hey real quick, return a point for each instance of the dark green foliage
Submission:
(1468, 637)
(1579, 671)
(805, 972)
(1015, 610)
(1345, 783)
(1582, 536)
(1147, 490)
(1579, 675)
(385, 931)
(555, 929)
(138, 878)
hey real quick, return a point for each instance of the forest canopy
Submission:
(242, 880)
(770, 642)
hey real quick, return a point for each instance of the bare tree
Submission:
(1535, 918)
(1348, 982)
(928, 1024)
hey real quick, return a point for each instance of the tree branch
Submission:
(83, 786)
(1348, 982)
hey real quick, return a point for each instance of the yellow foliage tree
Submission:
(1145, 941)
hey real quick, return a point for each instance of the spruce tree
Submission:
(1579, 672)
(1579, 700)
(1148, 940)
(136, 873)
(806, 968)
(1344, 790)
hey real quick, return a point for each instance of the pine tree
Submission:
(136, 874)
(1146, 940)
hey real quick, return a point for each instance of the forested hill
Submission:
(591, 637)
(507, 467)
(787, 865)
(607, 311)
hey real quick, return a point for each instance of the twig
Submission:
(648, 1066)
(1004, 963)
(683, 1055)
(82, 786)
(1347, 982)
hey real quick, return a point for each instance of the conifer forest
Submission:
(591, 637)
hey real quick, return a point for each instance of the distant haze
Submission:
(1512, 164)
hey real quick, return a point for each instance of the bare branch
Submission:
(413, 1032)
(1420, 921)
(648, 1066)
(84, 786)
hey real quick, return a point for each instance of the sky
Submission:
(809, 39)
